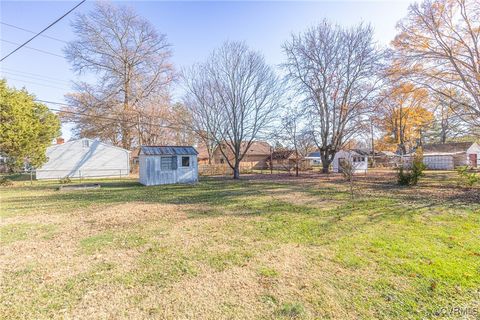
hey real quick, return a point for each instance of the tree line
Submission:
(338, 85)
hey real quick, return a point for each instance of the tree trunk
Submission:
(236, 171)
(325, 167)
(325, 162)
(296, 163)
(373, 145)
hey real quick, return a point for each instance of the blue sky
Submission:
(194, 29)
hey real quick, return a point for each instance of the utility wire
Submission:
(26, 30)
(39, 33)
(32, 48)
(3, 69)
(38, 84)
(100, 117)
(16, 74)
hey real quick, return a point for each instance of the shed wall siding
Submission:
(73, 159)
(439, 162)
(360, 167)
(151, 173)
(474, 149)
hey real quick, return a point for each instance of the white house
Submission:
(314, 158)
(167, 165)
(358, 158)
(84, 158)
(447, 156)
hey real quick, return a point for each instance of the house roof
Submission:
(258, 148)
(313, 155)
(453, 147)
(168, 150)
(202, 152)
(360, 152)
(282, 154)
(62, 145)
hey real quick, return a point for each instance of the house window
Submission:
(85, 143)
(222, 160)
(185, 161)
(166, 163)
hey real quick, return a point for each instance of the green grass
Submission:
(110, 240)
(21, 231)
(265, 249)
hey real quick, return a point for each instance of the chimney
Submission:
(60, 140)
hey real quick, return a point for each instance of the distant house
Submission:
(256, 156)
(314, 158)
(448, 156)
(202, 154)
(84, 158)
(167, 165)
(357, 157)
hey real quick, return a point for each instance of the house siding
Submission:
(76, 159)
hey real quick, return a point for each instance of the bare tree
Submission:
(294, 134)
(335, 70)
(199, 101)
(439, 46)
(447, 124)
(233, 95)
(130, 59)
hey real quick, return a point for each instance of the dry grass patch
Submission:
(252, 249)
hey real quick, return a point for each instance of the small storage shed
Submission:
(358, 158)
(167, 165)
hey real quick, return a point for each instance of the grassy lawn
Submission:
(265, 247)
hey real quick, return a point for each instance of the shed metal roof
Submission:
(168, 150)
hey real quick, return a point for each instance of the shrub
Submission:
(409, 176)
(65, 180)
(5, 182)
(468, 178)
(348, 172)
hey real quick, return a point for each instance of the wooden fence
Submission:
(246, 167)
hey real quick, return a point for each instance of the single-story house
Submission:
(358, 158)
(167, 165)
(256, 156)
(285, 159)
(314, 158)
(447, 156)
(84, 158)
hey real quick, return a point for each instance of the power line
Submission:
(39, 84)
(39, 33)
(32, 48)
(26, 30)
(2, 69)
(100, 117)
(17, 74)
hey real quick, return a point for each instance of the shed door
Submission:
(341, 164)
(473, 159)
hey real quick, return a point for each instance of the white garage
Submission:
(84, 158)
